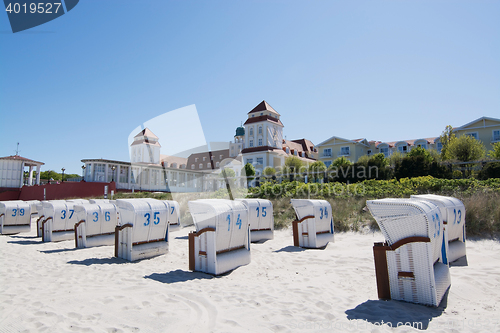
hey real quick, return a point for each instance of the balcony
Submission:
(344, 153)
(495, 138)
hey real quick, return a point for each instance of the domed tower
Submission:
(239, 142)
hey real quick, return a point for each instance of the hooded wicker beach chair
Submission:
(173, 213)
(96, 224)
(410, 266)
(453, 213)
(34, 207)
(260, 218)
(221, 242)
(15, 217)
(314, 225)
(59, 221)
(143, 229)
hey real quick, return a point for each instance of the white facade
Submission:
(145, 148)
(12, 171)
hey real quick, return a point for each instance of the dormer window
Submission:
(262, 113)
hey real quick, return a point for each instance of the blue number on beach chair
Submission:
(96, 216)
(257, 209)
(264, 213)
(439, 224)
(71, 211)
(321, 211)
(238, 221)
(326, 212)
(172, 210)
(63, 212)
(228, 222)
(107, 217)
(459, 216)
(21, 212)
(148, 217)
(14, 212)
(156, 219)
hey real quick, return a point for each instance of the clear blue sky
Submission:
(76, 87)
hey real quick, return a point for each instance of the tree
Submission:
(395, 158)
(495, 152)
(465, 148)
(419, 151)
(380, 160)
(293, 164)
(445, 140)
(316, 169)
(227, 172)
(50, 174)
(269, 171)
(249, 172)
(340, 162)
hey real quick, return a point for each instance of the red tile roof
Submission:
(263, 106)
(146, 132)
(19, 158)
(263, 118)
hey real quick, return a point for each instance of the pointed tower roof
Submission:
(146, 136)
(263, 106)
(146, 132)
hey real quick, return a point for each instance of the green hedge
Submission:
(377, 188)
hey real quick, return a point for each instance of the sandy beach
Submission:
(54, 287)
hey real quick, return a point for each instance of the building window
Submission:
(201, 166)
(439, 146)
(327, 152)
(403, 149)
(260, 129)
(192, 166)
(328, 163)
(474, 135)
(209, 165)
(496, 135)
(287, 150)
(385, 151)
(251, 130)
(251, 143)
(260, 160)
(422, 145)
(220, 157)
(260, 142)
(123, 174)
(217, 164)
(369, 152)
(204, 158)
(250, 160)
(262, 113)
(344, 151)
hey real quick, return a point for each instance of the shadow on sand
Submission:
(396, 313)
(460, 262)
(25, 237)
(61, 250)
(179, 276)
(26, 242)
(290, 248)
(101, 261)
